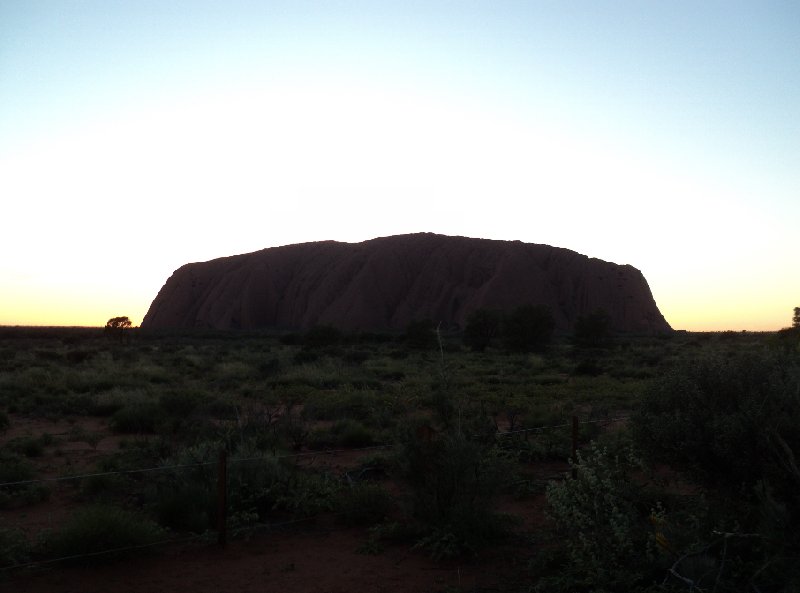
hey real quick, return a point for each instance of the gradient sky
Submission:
(139, 136)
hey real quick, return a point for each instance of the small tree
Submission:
(796, 318)
(117, 327)
(482, 326)
(421, 335)
(321, 336)
(529, 327)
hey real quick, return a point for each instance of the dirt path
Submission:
(313, 561)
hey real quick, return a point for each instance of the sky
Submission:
(139, 136)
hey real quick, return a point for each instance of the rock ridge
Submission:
(385, 283)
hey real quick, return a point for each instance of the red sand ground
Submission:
(313, 561)
(319, 557)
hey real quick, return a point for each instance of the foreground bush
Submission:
(13, 469)
(454, 481)
(602, 516)
(102, 528)
(528, 328)
(364, 503)
(733, 423)
(14, 548)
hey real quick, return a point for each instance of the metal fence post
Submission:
(574, 447)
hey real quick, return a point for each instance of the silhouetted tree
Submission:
(796, 318)
(421, 335)
(117, 328)
(482, 326)
(321, 336)
(529, 327)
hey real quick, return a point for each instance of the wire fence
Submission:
(315, 453)
(222, 463)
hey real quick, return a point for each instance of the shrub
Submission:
(421, 335)
(103, 486)
(306, 355)
(179, 404)
(14, 547)
(729, 420)
(351, 433)
(364, 503)
(593, 329)
(78, 356)
(101, 528)
(321, 336)
(138, 417)
(268, 368)
(588, 367)
(603, 519)
(258, 485)
(185, 498)
(28, 446)
(186, 506)
(14, 468)
(482, 327)
(356, 357)
(732, 421)
(454, 482)
(529, 327)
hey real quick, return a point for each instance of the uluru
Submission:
(386, 283)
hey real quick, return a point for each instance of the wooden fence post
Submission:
(222, 498)
(574, 447)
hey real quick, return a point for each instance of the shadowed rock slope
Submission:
(385, 283)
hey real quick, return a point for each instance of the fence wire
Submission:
(181, 540)
(208, 535)
(317, 453)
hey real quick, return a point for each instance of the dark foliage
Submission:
(733, 422)
(593, 329)
(483, 326)
(117, 328)
(421, 335)
(528, 328)
(321, 336)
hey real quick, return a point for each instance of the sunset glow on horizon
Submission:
(138, 137)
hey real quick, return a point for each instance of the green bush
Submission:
(356, 357)
(602, 518)
(186, 507)
(364, 503)
(351, 433)
(321, 336)
(482, 327)
(100, 529)
(14, 468)
(421, 335)
(138, 418)
(14, 547)
(104, 486)
(454, 481)
(528, 328)
(179, 403)
(732, 421)
(28, 446)
(185, 498)
(729, 420)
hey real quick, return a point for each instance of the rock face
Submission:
(385, 283)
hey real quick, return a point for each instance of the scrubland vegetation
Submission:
(687, 477)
